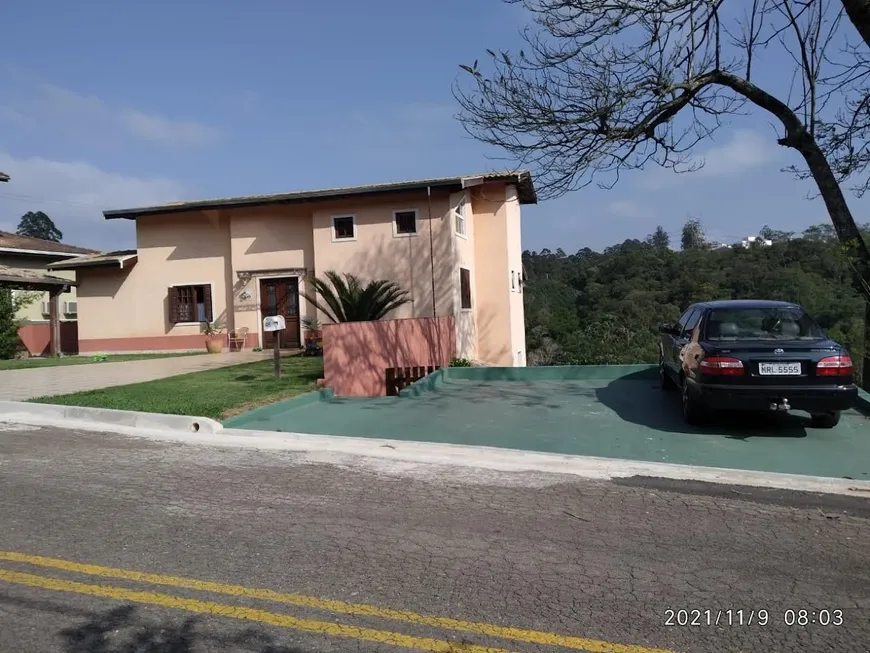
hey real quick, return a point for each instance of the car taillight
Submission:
(722, 366)
(834, 366)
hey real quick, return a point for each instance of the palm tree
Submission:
(343, 298)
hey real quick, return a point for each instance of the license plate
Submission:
(779, 369)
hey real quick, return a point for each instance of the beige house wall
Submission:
(515, 262)
(276, 238)
(33, 312)
(378, 252)
(173, 250)
(491, 278)
(463, 246)
(128, 309)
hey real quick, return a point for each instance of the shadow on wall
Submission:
(407, 260)
(357, 354)
(194, 235)
(36, 338)
(101, 283)
(126, 628)
(276, 229)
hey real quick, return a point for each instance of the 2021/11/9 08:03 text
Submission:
(762, 617)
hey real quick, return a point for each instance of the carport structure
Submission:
(29, 280)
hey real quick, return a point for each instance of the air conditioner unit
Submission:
(46, 308)
(70, 308)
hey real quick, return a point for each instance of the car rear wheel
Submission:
(826, 420)
(693, 410)
(666, 382)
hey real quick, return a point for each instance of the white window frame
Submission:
(192, 283)
(332, 220)
(412, 234)
(460, 212)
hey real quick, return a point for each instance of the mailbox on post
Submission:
(277, 324)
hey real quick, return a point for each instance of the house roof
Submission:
(522, 179)
(120, 259)
(30, 280)
(10, 242)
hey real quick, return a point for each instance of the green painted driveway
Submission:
(608, 411)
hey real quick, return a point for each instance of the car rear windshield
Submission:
(772, 323)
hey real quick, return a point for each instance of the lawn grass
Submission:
(219, 393)
(25, 363)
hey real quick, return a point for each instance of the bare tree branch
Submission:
(606, 86)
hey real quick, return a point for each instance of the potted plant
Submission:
(311, 326)
(214, 340)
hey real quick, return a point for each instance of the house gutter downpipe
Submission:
(431, 250)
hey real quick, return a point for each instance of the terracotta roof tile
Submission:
(14, 241)
(522, 178)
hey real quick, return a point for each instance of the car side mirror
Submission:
(667, 328)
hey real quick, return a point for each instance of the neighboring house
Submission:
(453, 243)
(35, 255)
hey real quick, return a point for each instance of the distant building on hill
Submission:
(749, 241)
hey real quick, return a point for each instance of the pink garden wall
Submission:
(356, 355)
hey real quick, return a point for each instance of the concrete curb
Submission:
(102, 418)
(390, 456)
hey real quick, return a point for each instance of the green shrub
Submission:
(461, 362)
(8, 325)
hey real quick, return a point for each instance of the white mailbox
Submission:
(274, 323)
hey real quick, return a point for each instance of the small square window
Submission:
(343, 228)
(406, 222)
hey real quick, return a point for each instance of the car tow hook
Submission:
(781, 404)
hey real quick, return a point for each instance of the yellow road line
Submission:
(504, 632)
(249, 614)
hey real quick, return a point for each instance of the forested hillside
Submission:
(604, 307)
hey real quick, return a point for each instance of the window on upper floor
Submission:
(460, 221)
(513, 281)
(464, 288)
(190, 304)
(405, 222)
(343, 227)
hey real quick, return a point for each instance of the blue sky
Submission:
(110, 105)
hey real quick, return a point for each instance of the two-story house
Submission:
(452, 243)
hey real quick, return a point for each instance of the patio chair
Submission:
(237, 337)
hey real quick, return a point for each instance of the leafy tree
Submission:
(774, 234)
(607, 86)
(8, 325)
(693, 235)
(659, 238)
(343, 298)
(605, 307)
(823, 232)
(38, 225)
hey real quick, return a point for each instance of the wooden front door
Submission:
(281, 297)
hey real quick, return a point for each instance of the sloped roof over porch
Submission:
(31, 280)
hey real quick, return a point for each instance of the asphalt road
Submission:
(113, 545)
